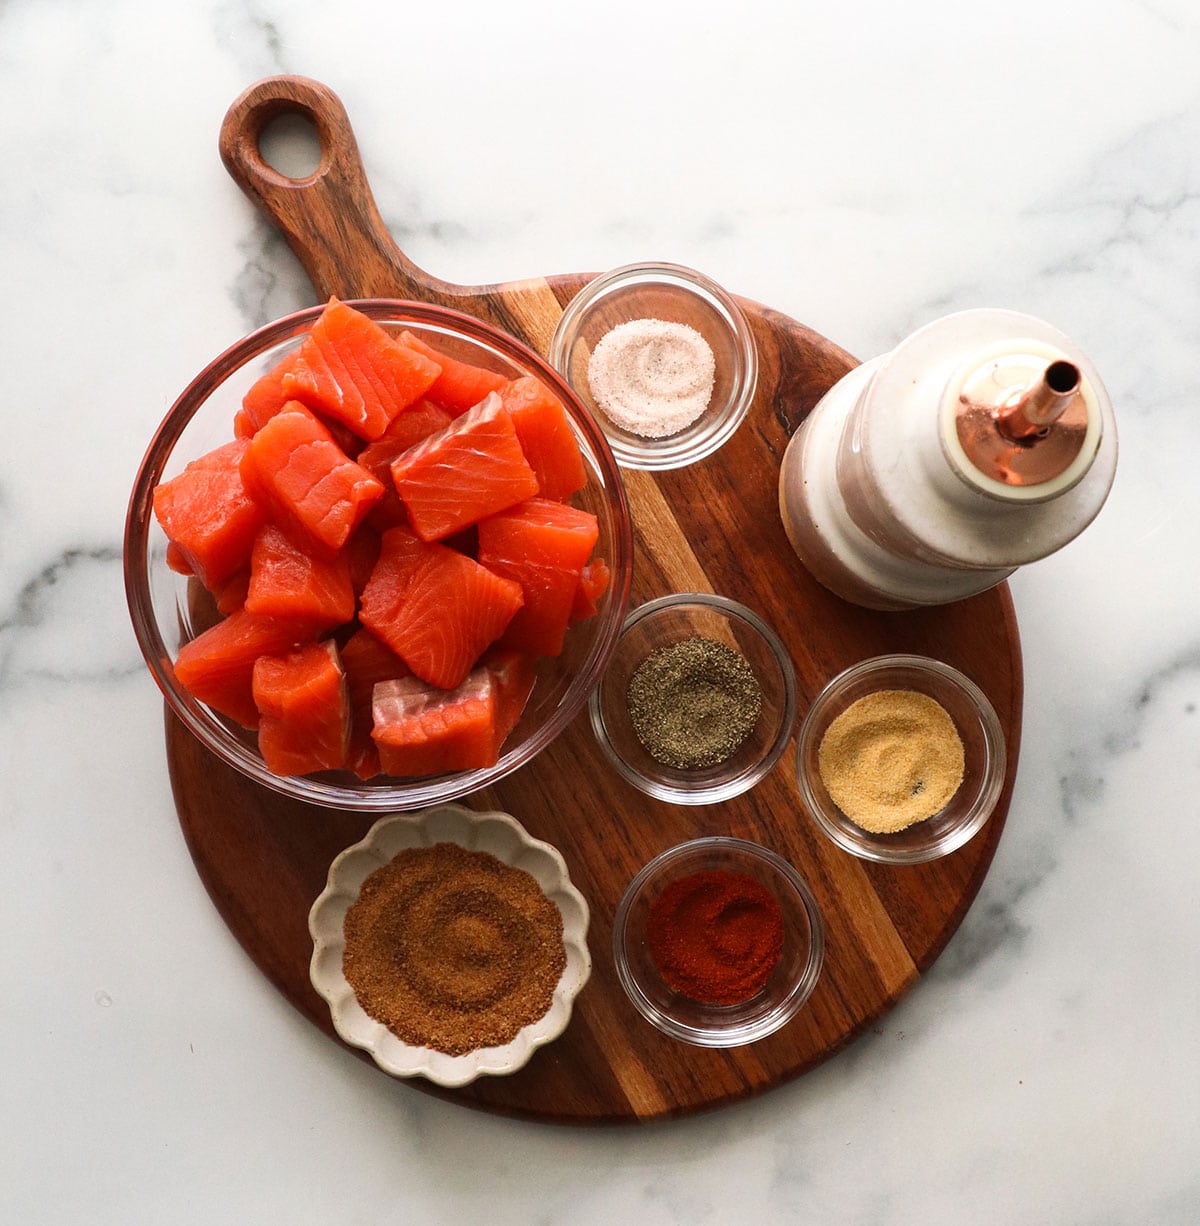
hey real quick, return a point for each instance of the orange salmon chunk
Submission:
(177, 560)
(265, 398)
(231, 595)
(208, 516)
(544, 431)
(514, 673)
(216, 667)
(422, 730)
(593, 583)
(304, 713)
(415, 423)
(351, 370)
(306, 483)
(366, 662)
(436, 608)
(287, 582)
(362, 552)
(460, 386)
(543, 546)
(471, 469)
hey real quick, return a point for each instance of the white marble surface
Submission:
(863, 167)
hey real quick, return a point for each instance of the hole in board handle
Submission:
(290, 145)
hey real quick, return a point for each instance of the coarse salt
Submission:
(652, 377)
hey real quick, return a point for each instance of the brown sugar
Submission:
(453, 950)
(891, 759)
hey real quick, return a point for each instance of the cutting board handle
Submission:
(329, 217)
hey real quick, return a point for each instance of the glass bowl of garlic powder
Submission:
(900, 759)
(664, 359)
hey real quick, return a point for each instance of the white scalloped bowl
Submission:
(498, 834)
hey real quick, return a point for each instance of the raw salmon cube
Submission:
(422, 730)
(305, 482)
(285, 581)
(544, 431)
(265, 398)
(208, 516)
(460, 386)
(471, 469)
(434, 607)
(304, 713)
(177, 559)
(216, 667)
(351, 370)
(543, 546)
(362, 552)
(415, 423)
(231, 595)
(593, 583)
(514, 673)
(366, 662)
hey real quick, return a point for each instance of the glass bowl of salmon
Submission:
(377, 555)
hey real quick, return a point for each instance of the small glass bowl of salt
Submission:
(664, 359)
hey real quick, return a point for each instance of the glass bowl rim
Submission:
(743, 782)
(661, 455)
(135, 560)
(865, 845)
(797, 995)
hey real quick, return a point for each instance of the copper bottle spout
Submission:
(1042, 404)
(1022, 419)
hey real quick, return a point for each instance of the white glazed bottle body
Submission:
(881, 504)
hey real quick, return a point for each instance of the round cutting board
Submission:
(713, 526)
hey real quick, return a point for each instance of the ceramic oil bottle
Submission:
(983, 441)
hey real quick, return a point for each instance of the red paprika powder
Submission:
(715, 936)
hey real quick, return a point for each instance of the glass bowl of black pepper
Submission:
(664, 359)
(698, 701)
(718, 942)
(900, 759)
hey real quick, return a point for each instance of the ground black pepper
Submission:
(693, 703)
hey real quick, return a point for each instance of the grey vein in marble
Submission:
(271, 282)
(254, 35)
(68, 622)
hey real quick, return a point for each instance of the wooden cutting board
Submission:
(714, 525)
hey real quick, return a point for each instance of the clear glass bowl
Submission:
(167, 609)
(671, 619)
(983, 747)
(675, 294)
(791, 982)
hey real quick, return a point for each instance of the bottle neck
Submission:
(1020, 423)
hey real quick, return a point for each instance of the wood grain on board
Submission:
(715, 524)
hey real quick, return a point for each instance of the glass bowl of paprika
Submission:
(698, 701)
(718, 942)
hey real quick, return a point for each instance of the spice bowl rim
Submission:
(718, 788)
(923, 841)
(717, 424)
(505, 838)
(715, 1026)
